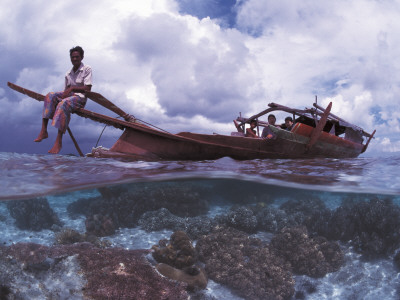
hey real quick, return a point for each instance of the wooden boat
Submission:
(316, 133)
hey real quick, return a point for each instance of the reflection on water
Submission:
(24, 176)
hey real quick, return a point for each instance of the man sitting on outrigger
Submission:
(59, 105)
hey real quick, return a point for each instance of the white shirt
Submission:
(83, 76)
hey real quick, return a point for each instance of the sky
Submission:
(194, 65)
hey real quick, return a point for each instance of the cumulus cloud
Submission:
(168, 63)
(197, 67)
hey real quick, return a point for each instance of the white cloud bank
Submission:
(182, 73)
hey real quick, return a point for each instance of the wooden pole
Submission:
(100, 99)
(366, 145)
(319, 127)
(75, 143)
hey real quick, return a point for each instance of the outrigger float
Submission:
(316, 133)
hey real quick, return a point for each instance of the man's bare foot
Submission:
(56, 148)
(42, 136)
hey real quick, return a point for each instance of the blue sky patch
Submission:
(224, 10)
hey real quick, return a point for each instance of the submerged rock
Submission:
(250, 268)
(125, 207)
(396, 260)
(194, 277)
(4, 292)
(163, 219)
(241, 218)
(314, 257)
(179, 252)
(70, 236)
(100, 225)
(273, 219)
(371, 227)
(33, 214)
(83, 271)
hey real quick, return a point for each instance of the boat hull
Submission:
(149, 144)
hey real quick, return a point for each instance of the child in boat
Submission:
(288, 123)
(59, 105)
(267, 132)
(251, 132)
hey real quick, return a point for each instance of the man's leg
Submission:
(62, 117)
(57, 144)
(43, 132)
(50, 103)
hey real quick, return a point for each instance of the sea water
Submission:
(222, 184)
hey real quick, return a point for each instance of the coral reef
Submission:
(4, 292)
(396, 260)
(100, 225)
(371, 226)
(304, 206)
(244, 264)
(304, 288)
(39, 276)
(33, 214)
(241, 218)
(273, 219)
(179, 252)
(194, 277)
(69, 236)
(125, 207)
(176, 260)
(106, 273)
(314, 257)
(2, 218)
(163, 219)
(198, 226)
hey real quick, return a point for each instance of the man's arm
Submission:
(76, 89)
(86, 80)
(250, 133)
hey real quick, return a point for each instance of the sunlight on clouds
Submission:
(394, 122)
(33, 79)
(145, 99)
(353, 108)
(199, 122)
(389, 146)
(144, 8)
(194, 64)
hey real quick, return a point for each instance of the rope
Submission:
(152, 125)
(147, 123)
(98, 140)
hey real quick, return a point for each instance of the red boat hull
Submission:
(139, 142)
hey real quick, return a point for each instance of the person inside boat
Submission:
(288, 123)
(251, 132)
(59, 105)
(267, 132)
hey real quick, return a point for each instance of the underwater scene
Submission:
(84, 228)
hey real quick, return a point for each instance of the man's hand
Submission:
(67, 92)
